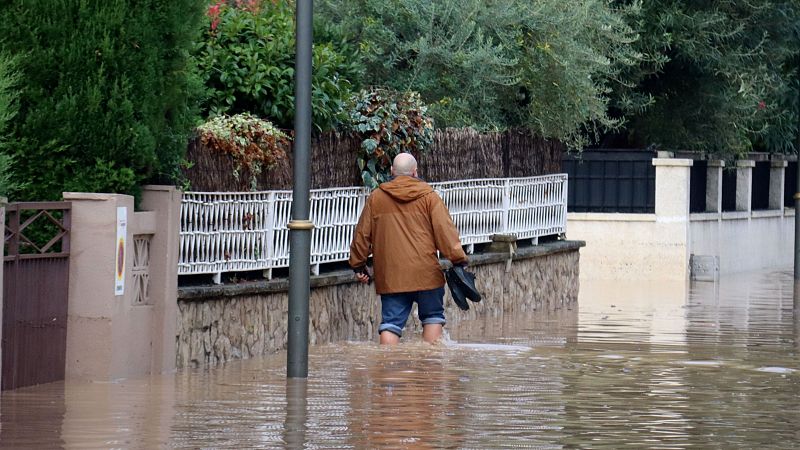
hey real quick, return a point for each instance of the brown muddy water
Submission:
(654, 365)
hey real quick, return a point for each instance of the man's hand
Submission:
(363, 275)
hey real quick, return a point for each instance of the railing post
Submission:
(506, 204)
(317, 217)
(564, 200)
(269, 238)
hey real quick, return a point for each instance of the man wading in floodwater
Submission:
(403, 224)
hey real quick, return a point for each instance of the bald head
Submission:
(404, 164)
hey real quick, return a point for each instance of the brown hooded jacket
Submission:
(402, 225)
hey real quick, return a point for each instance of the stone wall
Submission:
(220, 323)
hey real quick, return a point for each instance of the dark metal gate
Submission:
(35, 293)
(611, 180)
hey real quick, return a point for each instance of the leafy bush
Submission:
(724, 78)
(254, 144)
(547, 66)
(106, 92)
(246, 59)
(9, 78)
(389, 123)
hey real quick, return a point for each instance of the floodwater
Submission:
(665, 365)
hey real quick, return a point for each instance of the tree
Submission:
(546, 65)
(724, 82)
(246, 61)
(9, 78)
(107, 95)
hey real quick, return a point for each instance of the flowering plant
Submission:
(246, 62)
(254, 143)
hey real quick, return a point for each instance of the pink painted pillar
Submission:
(122, 290)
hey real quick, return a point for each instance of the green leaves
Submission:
(254, 144)
(547, 65)
(389, 123)
(247, 64)
(721, 76)
(9, 82)
(369, 145)
(107, 93)
(369, 180)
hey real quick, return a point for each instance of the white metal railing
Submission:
(241, 231)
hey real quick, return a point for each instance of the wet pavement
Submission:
(648, 365)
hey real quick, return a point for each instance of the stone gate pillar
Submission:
(123, 277)
(714, 186)
(3, 202)
(165, 202)
(672, 214)
(777, 180)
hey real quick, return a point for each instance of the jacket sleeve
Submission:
(361, 247)
(445, 233)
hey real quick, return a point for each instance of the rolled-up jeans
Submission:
(396, 307)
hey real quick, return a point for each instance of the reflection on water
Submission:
(641, 365)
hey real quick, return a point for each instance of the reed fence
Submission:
(456, 154)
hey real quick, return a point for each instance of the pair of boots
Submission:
(462, 286)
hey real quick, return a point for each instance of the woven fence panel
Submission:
(456, 154)
(460, 154)
(530, 155)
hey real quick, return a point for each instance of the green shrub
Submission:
(254, 144)
(725, 78)
(9, 80)
(547, 66)
(105, 101)
(246, 59)
(389, 123)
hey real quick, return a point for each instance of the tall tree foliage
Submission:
(106, 99)
(9, 79)
(724, 81)
(546, 65)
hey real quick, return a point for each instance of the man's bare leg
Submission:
(387, 337)
(431, 332)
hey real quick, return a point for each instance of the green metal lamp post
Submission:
(300, 226)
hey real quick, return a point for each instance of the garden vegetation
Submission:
(104, 96)
(107, 92)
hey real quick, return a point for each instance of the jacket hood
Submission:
(405, 189)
